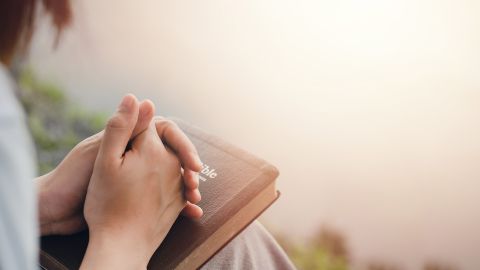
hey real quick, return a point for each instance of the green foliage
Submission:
(317, 258)
(56, 124)
(382, 266)
(327, 250)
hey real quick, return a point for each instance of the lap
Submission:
(254, 248)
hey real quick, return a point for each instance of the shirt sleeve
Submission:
(18, 217)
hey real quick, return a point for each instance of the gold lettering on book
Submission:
(207, 173)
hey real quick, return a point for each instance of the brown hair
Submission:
(17, 18)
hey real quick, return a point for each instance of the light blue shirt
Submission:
(18, 210)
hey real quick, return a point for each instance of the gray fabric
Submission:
(254, 248)
(18, 222)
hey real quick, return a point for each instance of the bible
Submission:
(236, 188)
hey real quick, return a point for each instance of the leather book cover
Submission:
(236, 187)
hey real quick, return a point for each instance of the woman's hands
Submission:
(62, 192)
(134, 197)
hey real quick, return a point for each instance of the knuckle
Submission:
(91, 141)
(168, 124)
(117, 122)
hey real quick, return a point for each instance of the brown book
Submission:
(236, 188)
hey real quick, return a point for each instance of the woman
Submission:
(128, 199)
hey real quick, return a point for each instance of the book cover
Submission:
(236, 187)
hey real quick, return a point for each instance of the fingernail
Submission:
(197, 178)
(126, 103)
(197, 160)
(199, 195)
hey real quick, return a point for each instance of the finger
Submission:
(192, 211)
(67, 226)
(193, 195)
(146, 112)
(148, 140)
(190, 178)
(119, 128)
(174, 137)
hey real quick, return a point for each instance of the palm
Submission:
(70, 186)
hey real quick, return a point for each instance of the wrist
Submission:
(45, 216)
(112, 251)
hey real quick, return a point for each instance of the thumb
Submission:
(148, 140)
(119, 129)
(146, 110)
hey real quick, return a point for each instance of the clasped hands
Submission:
(128, 197)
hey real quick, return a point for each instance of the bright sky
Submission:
(369, 108)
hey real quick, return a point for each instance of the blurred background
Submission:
(370, 109)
